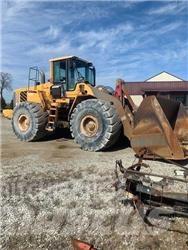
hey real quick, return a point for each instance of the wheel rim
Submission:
(23, 123)
(89, 126)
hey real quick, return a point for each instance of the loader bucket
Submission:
(161, 127)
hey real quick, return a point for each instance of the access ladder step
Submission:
(50, 126)
(52, 118)
(49, 129)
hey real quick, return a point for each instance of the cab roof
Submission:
(68, 57)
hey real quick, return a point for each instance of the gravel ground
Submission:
(52, 191)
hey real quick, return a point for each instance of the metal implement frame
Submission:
(146, 192)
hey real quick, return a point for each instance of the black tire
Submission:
(37, 121)
(108, 125)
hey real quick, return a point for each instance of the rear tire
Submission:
(95, 125)
(29, 121)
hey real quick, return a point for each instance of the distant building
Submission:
(163, 84)
(164, 76)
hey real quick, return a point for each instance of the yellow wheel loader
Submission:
(96, 115)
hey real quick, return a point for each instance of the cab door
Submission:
(60, 80)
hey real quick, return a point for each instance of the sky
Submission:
(132, 40)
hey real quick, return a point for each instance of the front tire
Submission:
(95, 125)
(29, 121)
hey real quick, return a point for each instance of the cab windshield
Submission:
(72, 71)
(80, 71)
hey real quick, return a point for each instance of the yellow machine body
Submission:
(158, 126)
(7, 113)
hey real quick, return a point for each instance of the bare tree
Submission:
(5, 83)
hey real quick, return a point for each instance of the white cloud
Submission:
(169, 8)
(86, 41)
(169, 27)
(103, 38)
(11, 9)
(120, 42)
(154, 29)
(52, 32)
(62, 48)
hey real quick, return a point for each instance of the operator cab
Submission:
(66, 72)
